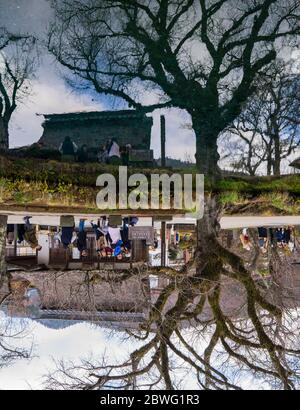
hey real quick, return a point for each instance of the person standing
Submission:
(68, 149)
(114, 155)
(82, 155)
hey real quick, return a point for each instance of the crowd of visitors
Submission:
(110, 153)
(283, 237)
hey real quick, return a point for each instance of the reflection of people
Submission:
(30, 234)
(100, 232)
(244, 237)
(279, 236)
(131, 221)
(105, 251)
(10, 235)
(21, 232)
(287, 234)
(81, 239)
(114, 235)
(263, 238)
(67, 231)
(118, 252)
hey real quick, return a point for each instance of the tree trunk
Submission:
(277, 156)
(208, 228)
(3, 232)
(207, 155)
(4, 141)
(205, 126)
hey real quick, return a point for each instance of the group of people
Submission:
(111, 240)
(25, 232)
(110, 153)
(282, 236)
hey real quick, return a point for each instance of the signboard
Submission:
(145, 233)
(183, 227)
(162, 218)
(140, 155)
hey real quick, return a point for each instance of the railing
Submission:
(19, 251)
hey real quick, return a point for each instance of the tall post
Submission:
(163, 140)
(15, 239)
(163, 244)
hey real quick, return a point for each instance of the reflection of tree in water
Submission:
(12, 332)
(212, 320)
(12, 336)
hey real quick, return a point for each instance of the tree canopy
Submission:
(201, 56)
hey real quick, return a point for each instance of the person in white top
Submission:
(114, 150)
(115, 235)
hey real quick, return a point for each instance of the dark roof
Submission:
(95, 115)
(94, 316)
(296, 163)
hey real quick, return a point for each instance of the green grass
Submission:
(230, 197)
(290, 183)
(53, 183)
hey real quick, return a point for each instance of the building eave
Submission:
(95, 115)
(295, 163)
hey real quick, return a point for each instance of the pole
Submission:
(15, 239)
(163, 140)
(163, 244)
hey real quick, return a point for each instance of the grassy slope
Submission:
(38, 183)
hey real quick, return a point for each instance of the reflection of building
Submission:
(144, 247)
(54, 255)
(71, 297)
(95, 128)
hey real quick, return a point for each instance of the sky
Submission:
(71, 343)
(52, 95)
(79, 341)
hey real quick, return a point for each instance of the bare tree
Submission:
(269, 126)
(199, 55)
(12, 334)
(17, 66)
(212, 321)
(243, 151)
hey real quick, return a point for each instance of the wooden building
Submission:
(97, 127)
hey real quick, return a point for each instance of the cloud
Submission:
(52, 95)
(49, 96)
(180, 141)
